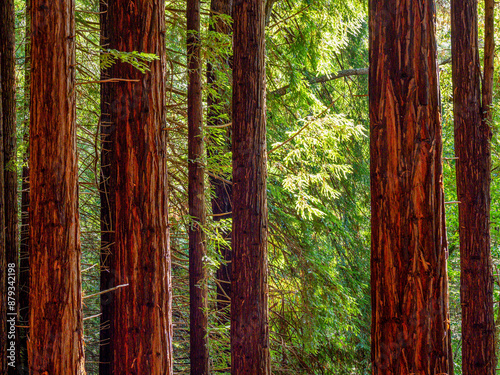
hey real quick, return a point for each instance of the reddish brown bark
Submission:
(56, 331)
(218, 113)
(198, 291)
(408, 263)
(249, 303)
(141, 323)
(472, 147)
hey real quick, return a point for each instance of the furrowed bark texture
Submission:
(472, 147)
(198, 291)
(56, 331)
(8, 96)
(249, 304)
(107, 197)
(219, 109)
(408, 264)
(141, 322)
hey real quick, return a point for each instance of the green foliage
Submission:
(138, 60)
(318, 195)
(314, 165)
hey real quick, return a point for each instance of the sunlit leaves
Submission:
(316, 164)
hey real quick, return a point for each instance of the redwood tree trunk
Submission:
(8, 97)
(408, 263)
(141, 323)
(56, 330)
(198, 291)
(219, 113)
(472, 147)
(249, 304)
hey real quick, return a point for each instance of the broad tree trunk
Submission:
(8, 97)
(472, 148)
(219, 113)
(408, 262)
(198, 288)
(141, 323)
(249, 303)
(56, 329)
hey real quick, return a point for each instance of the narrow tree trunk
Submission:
(24, 263)
(107, 197)
(219, 107)
(8, 75)
(56, 329)
(141, 322)
(472, 147)
(198, 291)
(249, 304)
(408, 264)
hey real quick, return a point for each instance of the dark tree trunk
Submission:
(24, 263)
(107, 197)
(8, 76)
(408, 263)
(472, 148)
(219, 109)
(249, 303)
(141, 325)
(56, 329)
(198, 291)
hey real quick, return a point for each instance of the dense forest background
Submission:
(318, 178)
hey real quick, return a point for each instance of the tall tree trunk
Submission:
(141, 321)
(472, 148)
(8, 76)
(198, 290)
(249, 304)
(24, 263)
(219, 108)
(107, 197)
(408, 262)
(56, 329)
